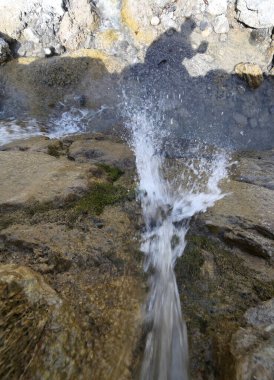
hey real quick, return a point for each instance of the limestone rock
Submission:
(251, 73)
(249, 228)
(39, 177)
(256, 13)
(136, 16)
(220, 24)
(78, 24)
(253, 347)
(217, 7)
(36, 329)
(47, 24)
(33, 23)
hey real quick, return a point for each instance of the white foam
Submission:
(168, 204)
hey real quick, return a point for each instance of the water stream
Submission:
(169, 196)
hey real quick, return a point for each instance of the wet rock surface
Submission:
(75, 267)
(226, 277)
(70, 268)
(71, 279)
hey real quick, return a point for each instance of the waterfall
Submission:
(169, 197)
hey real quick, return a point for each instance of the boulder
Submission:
(256, 13)
(251, 73)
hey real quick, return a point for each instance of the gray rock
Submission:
(221, 25)
(256, 13)
(4, 50)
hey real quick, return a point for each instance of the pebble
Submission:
(155, 21)
(48, 51)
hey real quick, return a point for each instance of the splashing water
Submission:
(168, 202)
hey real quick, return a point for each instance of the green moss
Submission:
(113, 172)
(101, 195)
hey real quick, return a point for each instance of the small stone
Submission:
(251, 73)
(49, 51)
(221, 25)
(155, 21)
(256, 13)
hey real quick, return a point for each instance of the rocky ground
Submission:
(71, 279)
(72, 285)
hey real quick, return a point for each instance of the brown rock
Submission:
(251, 73)
(30, 176)
(36, 330)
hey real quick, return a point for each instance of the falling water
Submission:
(168, 202)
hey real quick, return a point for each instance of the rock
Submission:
(4, 51)
(55, 247)
(39, 24)
(77, 25)
(256, 13)
(49, 52)
(30, 176)
(221, 25)
(101, 151)
(253, 347)
(262, 316)
(232, 218)
(89, 325)
(33, 23)
(258, 36)
(136, 16)
(37, 328)
(155, 21)
(162, 3)
(251, 73)
(217, 7)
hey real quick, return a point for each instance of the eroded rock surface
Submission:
(256, 13)
(71, 280)
(226, 277)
